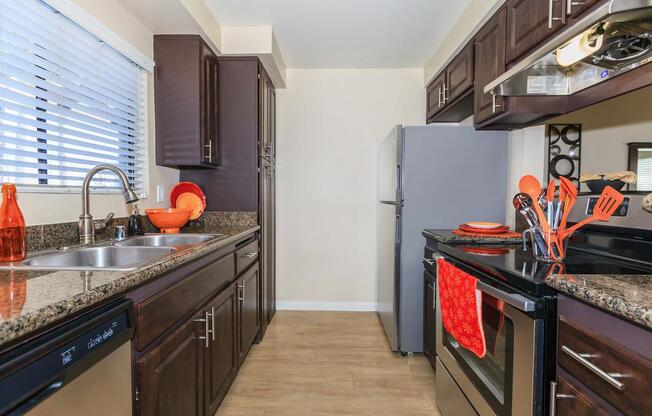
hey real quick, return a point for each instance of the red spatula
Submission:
(607, 204)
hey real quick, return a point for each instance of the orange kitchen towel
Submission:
(461, 307)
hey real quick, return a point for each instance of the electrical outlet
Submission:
(160, 193)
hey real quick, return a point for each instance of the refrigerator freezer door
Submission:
(389, 167)
(389, 223)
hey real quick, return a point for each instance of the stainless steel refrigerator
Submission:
(429, 177)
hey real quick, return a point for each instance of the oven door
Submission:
(503, 381)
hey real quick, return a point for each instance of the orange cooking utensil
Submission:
(607, 204)
(532, 187)
(570, 191)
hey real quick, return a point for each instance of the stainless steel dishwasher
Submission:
(79, 368)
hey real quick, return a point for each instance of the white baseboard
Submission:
(326, 306)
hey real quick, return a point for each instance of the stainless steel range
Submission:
(519, 312)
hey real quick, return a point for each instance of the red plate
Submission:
(494, 231)
(183, 187)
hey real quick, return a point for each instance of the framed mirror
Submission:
(640, 161)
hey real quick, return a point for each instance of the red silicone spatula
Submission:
(607, 204)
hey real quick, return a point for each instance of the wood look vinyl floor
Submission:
(329, 363)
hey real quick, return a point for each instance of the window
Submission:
(640, 162)
(68, 102)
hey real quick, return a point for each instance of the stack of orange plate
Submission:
(190, 196)
(489, 228)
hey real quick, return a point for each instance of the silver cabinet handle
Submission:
(213, 323)
(431, 262)
(444, 91)
(241, 293)
(210, 151)
(494, 105)
(583, 359)
(570, 4)
(439, 96)
(554, 396)
(551, 17)
(250, 255)
(207, 330)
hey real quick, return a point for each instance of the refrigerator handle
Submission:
(398, 229)
(399, 182)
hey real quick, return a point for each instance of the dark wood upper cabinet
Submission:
(222, 353)
(450, 94)
(489, 65)
(529, 22)
(434, 93)
(459, 75)
(170, 376)
(248, 314)
(186, 95)
(575, 8)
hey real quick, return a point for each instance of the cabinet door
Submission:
(248, 316)
(271, 220)
(435, 91)
(459, 75)
(429, 346)
(169, 378)
(209, 96)
(571, 401)
(222, 353)
(531, 21)
(489, 65)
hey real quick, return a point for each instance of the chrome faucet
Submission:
(87, 226)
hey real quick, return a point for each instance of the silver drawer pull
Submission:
(207, 330)
(570, 4)
(551, 14)
(554, 397)
(583, 359)
(250, 255)
(241, 293)
(213, 323)
(209, 156)
(431, 262)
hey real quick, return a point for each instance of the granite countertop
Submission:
(448, 237)
(31, 300)
(627, 296)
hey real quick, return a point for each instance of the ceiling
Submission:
(348, 33)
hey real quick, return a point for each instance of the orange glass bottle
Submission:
(12, 226)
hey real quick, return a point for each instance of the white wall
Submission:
(53, 208)
(330, 123)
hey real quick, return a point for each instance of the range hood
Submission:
(612, 39)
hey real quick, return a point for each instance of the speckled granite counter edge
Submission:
(603, 297)
(58, 311)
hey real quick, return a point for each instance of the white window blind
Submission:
(68, 102)
(644, 170)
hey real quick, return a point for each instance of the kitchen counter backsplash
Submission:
(47, 236)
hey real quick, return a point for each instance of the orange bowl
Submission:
(168, 220)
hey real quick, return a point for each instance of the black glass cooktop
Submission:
(517, 267)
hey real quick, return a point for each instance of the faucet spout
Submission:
(86, 223)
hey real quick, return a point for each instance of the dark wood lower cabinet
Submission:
(222, 352)
(170, 376)
(248, 316)
(188, 368)
(572, 402)
(429, 346)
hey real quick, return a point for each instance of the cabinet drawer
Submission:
(571, 401)
(615, 373)
(246, 256)
(157, 314)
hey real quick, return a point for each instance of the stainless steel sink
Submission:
(96, 258)
(167, 240)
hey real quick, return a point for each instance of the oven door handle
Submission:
(520, 302)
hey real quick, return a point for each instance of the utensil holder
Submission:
(541, 249)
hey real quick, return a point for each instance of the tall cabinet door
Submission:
(248, 312)
(209, 111)
(489, 65)
(222, 352)
(271, 263)
(169, 378)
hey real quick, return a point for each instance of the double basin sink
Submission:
(114, 255)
